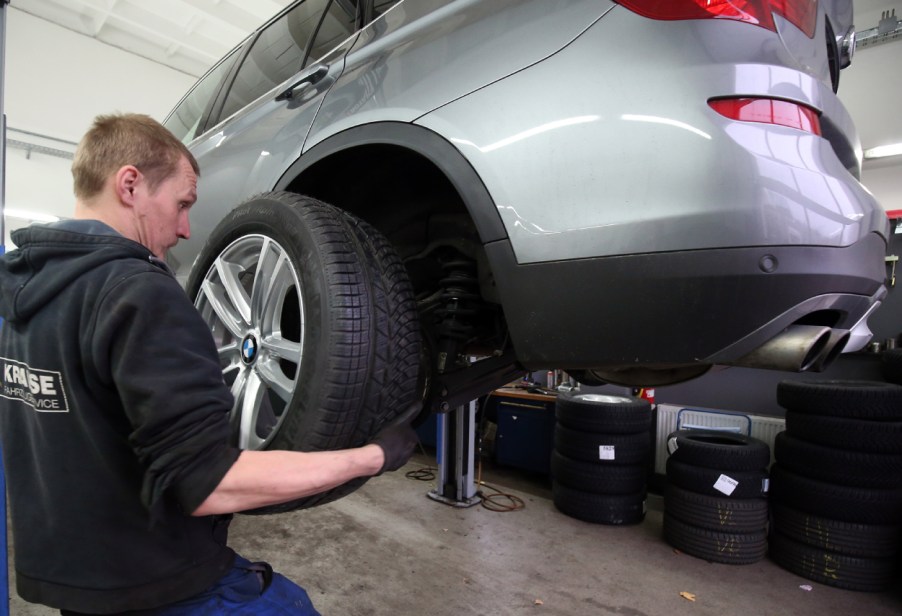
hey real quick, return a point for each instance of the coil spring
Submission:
(460, 299)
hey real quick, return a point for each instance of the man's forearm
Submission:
(260, 478)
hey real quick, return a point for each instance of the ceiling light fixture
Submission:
(882, 151)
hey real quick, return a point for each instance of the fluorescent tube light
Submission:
(882, 151)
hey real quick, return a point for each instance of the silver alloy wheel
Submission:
(605, 398)
(251, 299)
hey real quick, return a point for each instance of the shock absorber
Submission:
(460, 300)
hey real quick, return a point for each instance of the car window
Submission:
(279, 52)
(339, 23)
(184, 119)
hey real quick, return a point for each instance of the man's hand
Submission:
(398, 440)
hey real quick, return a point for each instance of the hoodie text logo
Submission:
(42, 390)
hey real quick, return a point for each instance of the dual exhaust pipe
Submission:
(798, 348)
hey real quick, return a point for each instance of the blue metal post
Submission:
(455, 449)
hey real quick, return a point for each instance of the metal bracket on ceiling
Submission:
(888, 29)
(32, 143)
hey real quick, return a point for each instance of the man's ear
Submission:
(126, 181)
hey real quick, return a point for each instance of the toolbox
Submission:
(525, 429)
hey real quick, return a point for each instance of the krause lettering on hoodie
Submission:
(42, 390)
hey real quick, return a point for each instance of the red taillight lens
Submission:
(802, 13)
(769, 111)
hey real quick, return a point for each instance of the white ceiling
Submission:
(187, 35)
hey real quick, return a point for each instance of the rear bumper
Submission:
(706, 306)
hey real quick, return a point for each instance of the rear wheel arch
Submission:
(406, 166)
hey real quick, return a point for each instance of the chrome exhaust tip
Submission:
(835, 345)
(795, 349)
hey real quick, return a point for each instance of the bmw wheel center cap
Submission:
(249, 349)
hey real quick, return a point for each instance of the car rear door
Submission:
(259, 123)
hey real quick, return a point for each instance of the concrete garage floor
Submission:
(387, 549)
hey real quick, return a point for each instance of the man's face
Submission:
(161, 216)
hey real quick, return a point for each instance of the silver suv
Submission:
(428, 197)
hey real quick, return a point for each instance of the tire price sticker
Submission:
(672, 444)
(606, 452)
(725, 484)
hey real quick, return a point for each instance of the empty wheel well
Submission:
(396, 190)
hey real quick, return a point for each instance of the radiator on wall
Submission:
(672, 417)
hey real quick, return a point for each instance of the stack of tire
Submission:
(715, 502)
(836, 494)
(892, 365)
(601, 455)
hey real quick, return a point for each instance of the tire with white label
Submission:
(715, 546)
(718, 449)
(625, 449)
(618, 509)
(832, 568)
(598, 478)
(838, 466)
(716, 482)
(603, 413)
(733, 515)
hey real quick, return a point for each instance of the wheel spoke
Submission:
(223, 309)
(231, 373)
(249, 408)
(282, 280)
(270, 373)
(264, 279)
(283, 348)
(238, 390)
(230, 355)
(234, 291)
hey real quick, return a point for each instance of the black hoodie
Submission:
(114, 423)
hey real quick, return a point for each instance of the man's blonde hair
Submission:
(126, 139)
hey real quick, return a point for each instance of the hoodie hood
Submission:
(50, 256)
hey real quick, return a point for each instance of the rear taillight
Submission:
(768, 111)
(801, 13)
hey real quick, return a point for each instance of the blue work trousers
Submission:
(248, 589)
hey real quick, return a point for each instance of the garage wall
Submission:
(56, 82)
(884, 179)
(871, 90)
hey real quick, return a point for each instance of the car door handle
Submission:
(315, 74)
